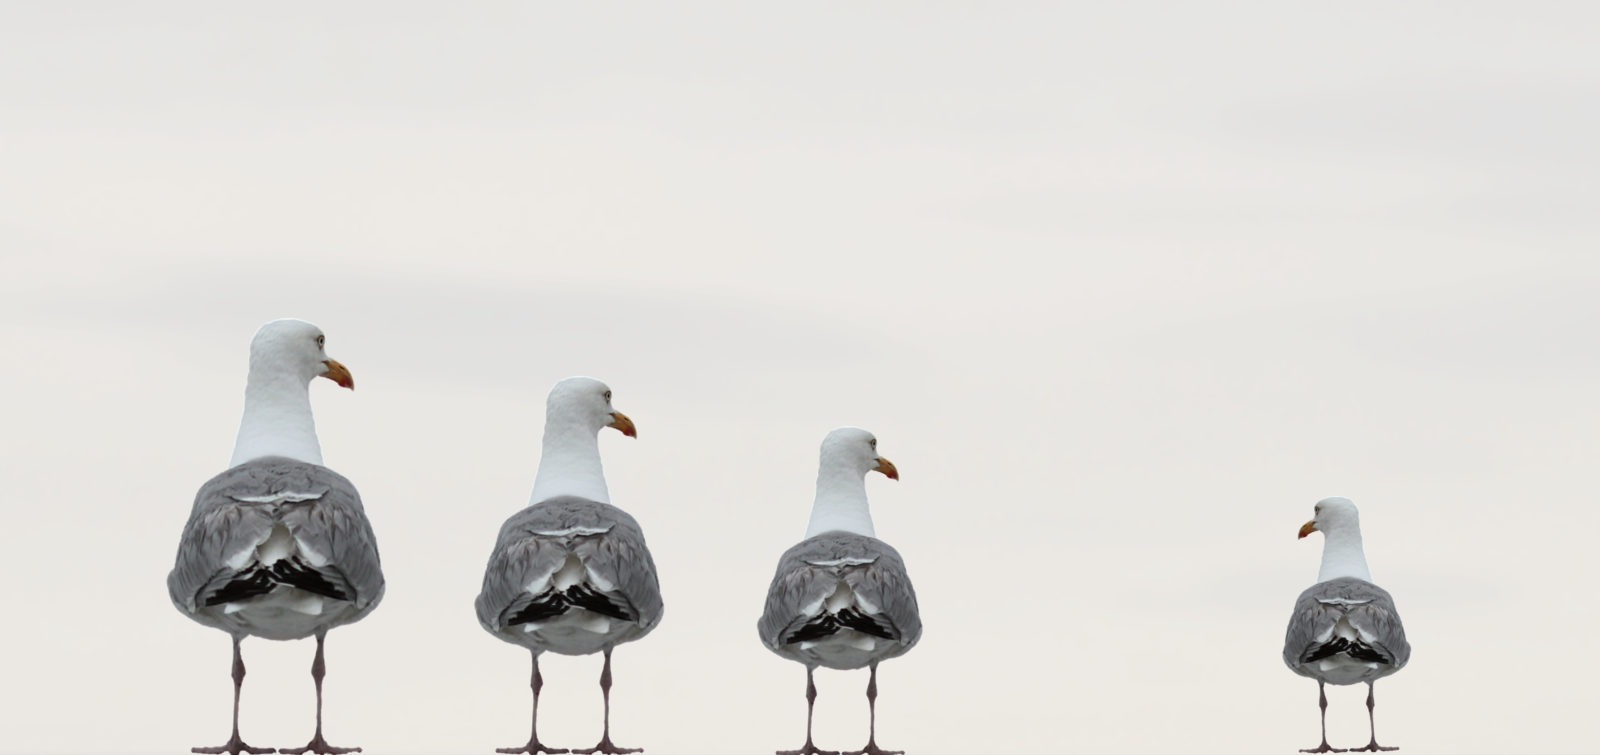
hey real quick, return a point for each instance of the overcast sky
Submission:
(1122, 288)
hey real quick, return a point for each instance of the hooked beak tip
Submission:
(338, 373)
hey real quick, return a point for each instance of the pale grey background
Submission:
(1123, 288)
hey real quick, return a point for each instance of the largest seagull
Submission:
(278, 545)
(570, 573)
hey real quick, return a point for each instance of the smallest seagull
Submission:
(841, 597)
(1344, 628)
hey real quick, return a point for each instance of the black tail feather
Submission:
(260, 580)
(583, 597)
(1357, 650)
(828, 624)
(864, 624)
(1363, 652)
(822, 626)
(294, 572)
(246, 585)
(546, 606)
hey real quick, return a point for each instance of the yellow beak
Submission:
(338, 373)
(621, 422)
(887, 468)
(1308, 528)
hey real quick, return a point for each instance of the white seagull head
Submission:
(295, 348)
(586, 402)
(855, 450)
(1333, 515)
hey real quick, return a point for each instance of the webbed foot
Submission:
(235, 746)
(319, 746)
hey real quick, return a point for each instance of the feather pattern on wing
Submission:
(274, 523)
(1327, 612)
(540, 548)
(836, 581)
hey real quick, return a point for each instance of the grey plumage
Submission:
(1344, 629)
(278, 546)
(237, 511)
(1377, 649)
(570, 573)
(536, 542)
(811, 572)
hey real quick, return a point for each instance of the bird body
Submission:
(1345, 631)
(279, 549)
(842, 601)
(570, 576)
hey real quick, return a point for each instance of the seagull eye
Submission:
(321, 340)
(873, 442)
(608, 395)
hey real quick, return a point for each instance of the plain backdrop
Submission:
(1123, 289)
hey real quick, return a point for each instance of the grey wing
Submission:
(797, 591)
(219, 529)
(335, 527)
(886, 585)
(810, 571)
(536, 541)
(1369, 608)
(519, 558)
(1379, 625)
(621, 558)
(1309, 620)
(237, 510)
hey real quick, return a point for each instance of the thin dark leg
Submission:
(318, 744)
(1322, 700)
(534, 746)
(1372, 744)
(605, 745)
(811, 705)
(235, 745)
(872, 716)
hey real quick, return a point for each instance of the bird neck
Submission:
(277, 419)
(841, 503)
(1343, 556)
(570, 463)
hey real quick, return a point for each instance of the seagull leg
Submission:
(872, 718)
(318, 744)
(811, 705)
(534, 746)
(605, 746)
(1372, 745)
(235, 745)
(1322, 700)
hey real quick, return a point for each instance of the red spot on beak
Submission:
(621, 422)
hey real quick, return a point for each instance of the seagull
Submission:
(570, 573)
(1344, 628)
(277, 545)
(841, 597)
